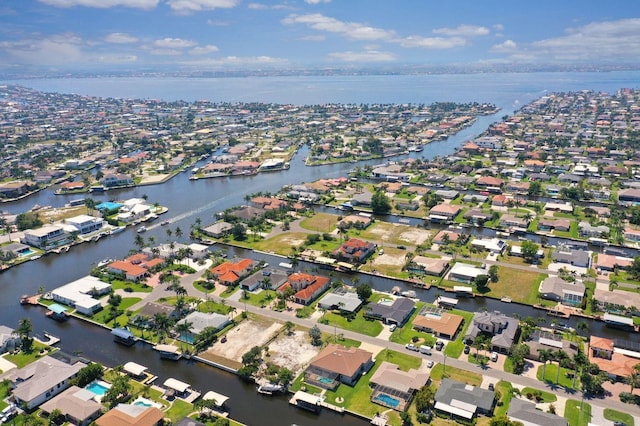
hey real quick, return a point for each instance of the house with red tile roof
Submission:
(337, 364)
(230, 273)
(135, 267)
(444, 212)
(487, 181)
(616, 362)
(355, 250)
(307, 287)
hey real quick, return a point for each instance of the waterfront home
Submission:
(46, 236)
(563, 225)
(199, 321)
(230, 273)
(131, 213)
(15, 189)
(428, 266)
(341, 299)
(41, 380)
(218, 229)
(355, 250)
(446, 236)
(502, 329)
(609, 262)
(527, 413)
(357, 221)
(631, 234)
(558, 207)
(617, 358)
(585, 229)
(77, 405)
(8, 340)
(565, 292)
(132, 415)
(395, 388)
(629, 196)
(512, 221)
(459, 400)
(337, 364)
(444, 212)
(307, 287)
(439, 323)
(465, 273)
(84, 224)
(81, 294)
(493, 245)
(111, 180)
(478, 216)
(545, 340)
(390, 312)
(564, 254)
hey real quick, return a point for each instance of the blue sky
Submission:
(79, 35)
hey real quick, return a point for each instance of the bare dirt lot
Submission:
(390, 259)
(240, 339)
(293, 352)
(415, 236)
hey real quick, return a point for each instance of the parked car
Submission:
(392, 327)
(494, 356)
(429, 364)
(439, 345)
(467, 349)
(491, 386)
(411, 347)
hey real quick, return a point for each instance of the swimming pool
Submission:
(325, 380)
(26, 252)
(98, 388)
(387, 400)
(144, 402)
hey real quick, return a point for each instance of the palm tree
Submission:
(178, 232)
(183, 328)
(582, 325)
(25, 327)
(633, 379)
(161, 324)
(560, 356)
(544, 355)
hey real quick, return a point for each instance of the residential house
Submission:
(617, 358)
(342, 300)
(8, 340)
(391, 312)
(77, 405)
(563, 225)
(587, 230)
(46, 237)
(390, 381)
(565, 292)
(356, 221)
(629, 195)
(609, 262)
(132, 415)
(199, 321)
(444, 212)
(463, 401)
(440, 323)
(111, 180)
(502, 329)
(446, 236)
(493, 245)
(540, 339)
(526, 413)
(82, 294)
(478, 216)
(511, 221)
(41, 380)
(218, 229)
(428, 265)
(84, 224)
(563, 254)
(355, 250)
(307, 287)
(337, 364)
(464, 272)
(489, 182)
(230, 273)
(631, 234)
(135, 267)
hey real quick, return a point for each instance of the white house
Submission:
(46, 236)
(494, 245)
(80, 294)
(464, 272)
(8, 340)
(84, 224)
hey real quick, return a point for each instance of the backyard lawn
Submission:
(575, 415)
(457, 374)
(131, 286)
(520, 286)
(21, 358)
(546, 396)
(320, 222)
(617, 416)
(359, 324)
(565, 379)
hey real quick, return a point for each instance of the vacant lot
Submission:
(293, 351)
(320, 222)
(393, 233)
(249, 333)
(281, 243)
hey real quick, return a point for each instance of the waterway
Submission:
(188, 200)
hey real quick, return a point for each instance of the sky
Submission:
(209, 35)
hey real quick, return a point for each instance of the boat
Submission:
(506, 299)
(104, 262)
(24, 299)
(408, 293)
(124, 336)
(164, 222)
(170, 352)
(270, 388)
(117, 230)
(142, 229)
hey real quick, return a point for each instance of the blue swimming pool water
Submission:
(97, 388)
(142, 404)
(26, 252)
(325, 380)
(387, 400)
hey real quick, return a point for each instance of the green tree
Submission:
(316, 336)
(364, 291)
(118, 391)
(493, 273)
(24, 330)
(529, 250)
(504, 421)
(380, 203)
(518, 357)
(424, 398)
(239, 232)
(88, 374)
(481, 282)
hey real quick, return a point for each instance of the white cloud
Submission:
(203, 50)
(505, 46)
(190, 6)
(120, 38)
(103, 4)
(165, 52)
(463, 31)
(432, 42)
(367, 56)
(313, 38)
(174, 43)
(351, 30)
(261, 6)
(235, 61)
(317, 1)
(117, 59)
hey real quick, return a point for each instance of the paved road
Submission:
(187, 282)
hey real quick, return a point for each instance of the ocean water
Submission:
(509, 91)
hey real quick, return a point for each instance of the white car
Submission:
(411, 347)
(494, 356)
(429, 364)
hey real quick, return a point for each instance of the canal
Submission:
(188, 200)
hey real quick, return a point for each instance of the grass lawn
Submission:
(454, 349)
(324, 245)
(5, 388)
(261, 299)
(229, 290)
(457, 374)
(520, 286)
(121, 319)
(360, 324)
(22, 359)
(506, 394)
(281, 243)
(406, 333)
(199, 286)
(136, 287)
(213, 307)
(320, 222)
(179, 409)
(617, 416)
(575, 415)
(546, 396)
(551, 373)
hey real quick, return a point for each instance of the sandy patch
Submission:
(243, 337)
(297, 242)
(293, 352)
(390, 259)
(415, 236)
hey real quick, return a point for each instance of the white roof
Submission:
(307, 397)
(218, 397)
(135, 369)
(467, 270)
(77, 291)
(453, 410)
(176, 385)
